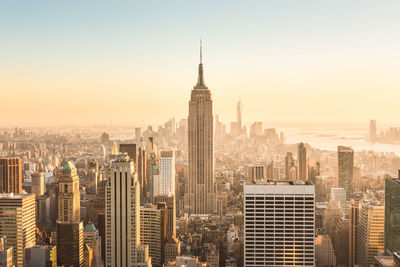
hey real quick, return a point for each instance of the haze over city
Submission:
(131, 62)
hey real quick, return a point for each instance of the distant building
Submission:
(279, 221)
(38, 184)
(372, 131)
(289, 165)
(167, 173)
(41, 256)
(302, 161)
(345, 169)
(17, 220)
(255, 172)
(10, 175)
(256, 129)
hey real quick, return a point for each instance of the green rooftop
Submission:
(69, 166)
(90, 227)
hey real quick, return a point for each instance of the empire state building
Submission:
(201, 197)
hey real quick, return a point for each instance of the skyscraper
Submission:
(353, 233)
(345, 169)
(201, 196)
(153, 230)
(302, 161)
(122, 214)
(68, 194)
(370, 232)
(279, 223)
(167, 173)
(69, 225)
(38, 184)
(372, 131)
(10, 175)
(392, 215)
(171, 206)
(17, 223)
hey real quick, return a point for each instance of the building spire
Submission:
(200, 81)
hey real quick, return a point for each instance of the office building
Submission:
(70, 243)
(302, 161)
(392, 216)
(17, 223)
(68, 194)
(370, 232)
(153, 227)
(324, 253)
(339, 194)
(201, 198)
(41, 256)
(38, 184)
(92, 238)
(167, 173)
(289, 167)
(69, 225)
(255, 172)
(345, 169)
(353, 233)
(172, 249)
(10, 175)
(171, 207)
(279, 223)
(122, 214)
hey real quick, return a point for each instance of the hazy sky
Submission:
(89, 62)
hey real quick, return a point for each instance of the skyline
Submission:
(91, 63)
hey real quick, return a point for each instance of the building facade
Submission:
(279, 224)
(167, 173)
(10, 175)
(345, 169)
(392, 215)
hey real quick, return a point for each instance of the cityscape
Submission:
(100, 177)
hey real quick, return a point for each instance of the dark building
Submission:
(70, 244)
(345, 169)
(130, 149)
(10, 175)
(302, 161)
(392, 215)
(171, 210)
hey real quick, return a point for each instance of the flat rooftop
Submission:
(13, 196)
(274, 182)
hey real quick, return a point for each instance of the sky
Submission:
(135, 62)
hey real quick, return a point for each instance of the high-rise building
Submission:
(302, 161)
(167, 173)
(153, 228)
(239, 116)
(41, 256)
(370, 232)
(255, 172)
(256, 129)
(122, 214)
(70, 243)
(353, 233)
(68, 194)
(392, 215)
(339, 194)
(69, 225)
(38, 184)
(172, 249)
(345, 169)
(17, 223)
(372, 131)
(289, 166)
(324, 253)
(171, 206)
(279, 223)
(92, 238)
(130, 149)
(201, 198)
(10, 175)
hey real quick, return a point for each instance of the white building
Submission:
(167, 173)
(279, 223)
(123, 214)
(339, 194)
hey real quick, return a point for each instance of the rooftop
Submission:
(274, 182)
(69, 166)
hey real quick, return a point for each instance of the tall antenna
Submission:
(201, 51)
